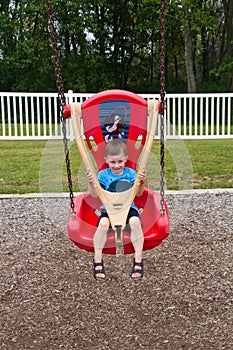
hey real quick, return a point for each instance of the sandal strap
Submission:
(99, 270)
(98, 263)
(135, 263)
(137, 271)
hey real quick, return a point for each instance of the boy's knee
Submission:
(135, 223)
(104, 224)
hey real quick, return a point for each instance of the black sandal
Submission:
(97, 271)
(137, 268)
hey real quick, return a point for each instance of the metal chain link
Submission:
(61, 99)
(162, 102)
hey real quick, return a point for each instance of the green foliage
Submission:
(225, 69)
(107, 44)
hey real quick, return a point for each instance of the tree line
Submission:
(105, 44)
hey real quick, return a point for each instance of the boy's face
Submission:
(116, 163)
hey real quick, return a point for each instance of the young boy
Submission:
(116, 155)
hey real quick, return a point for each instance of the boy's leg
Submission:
(137, 239)
(99, 241)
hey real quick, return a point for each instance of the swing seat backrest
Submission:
(106, 115)
(115, 114)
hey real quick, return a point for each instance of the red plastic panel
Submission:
(98, 112)
(82, 229)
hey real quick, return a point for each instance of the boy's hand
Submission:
(90, 177)
(142, 176)
(91, 183)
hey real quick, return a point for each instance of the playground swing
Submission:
(104, 116)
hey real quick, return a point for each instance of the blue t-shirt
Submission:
(117, 183)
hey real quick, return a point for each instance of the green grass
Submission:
(211, 164)
(39, 166)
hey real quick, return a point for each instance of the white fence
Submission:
(35, 116)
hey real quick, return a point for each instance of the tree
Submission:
(107, 44)
(228, 30)
(24, 47)
(188, 51)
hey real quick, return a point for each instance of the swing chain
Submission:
(162, 102)
(61, 100)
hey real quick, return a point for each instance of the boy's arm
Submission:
(91, 187)
(142, 177)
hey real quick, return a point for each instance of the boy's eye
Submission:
(117, 162)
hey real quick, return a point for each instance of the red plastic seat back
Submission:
(115, 114)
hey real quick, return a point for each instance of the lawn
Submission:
(39, 166)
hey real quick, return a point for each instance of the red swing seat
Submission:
(107, 115)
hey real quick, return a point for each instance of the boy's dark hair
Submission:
(115, 147)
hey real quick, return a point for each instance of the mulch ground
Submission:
(50, 300)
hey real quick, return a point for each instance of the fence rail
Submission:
(35, 116)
